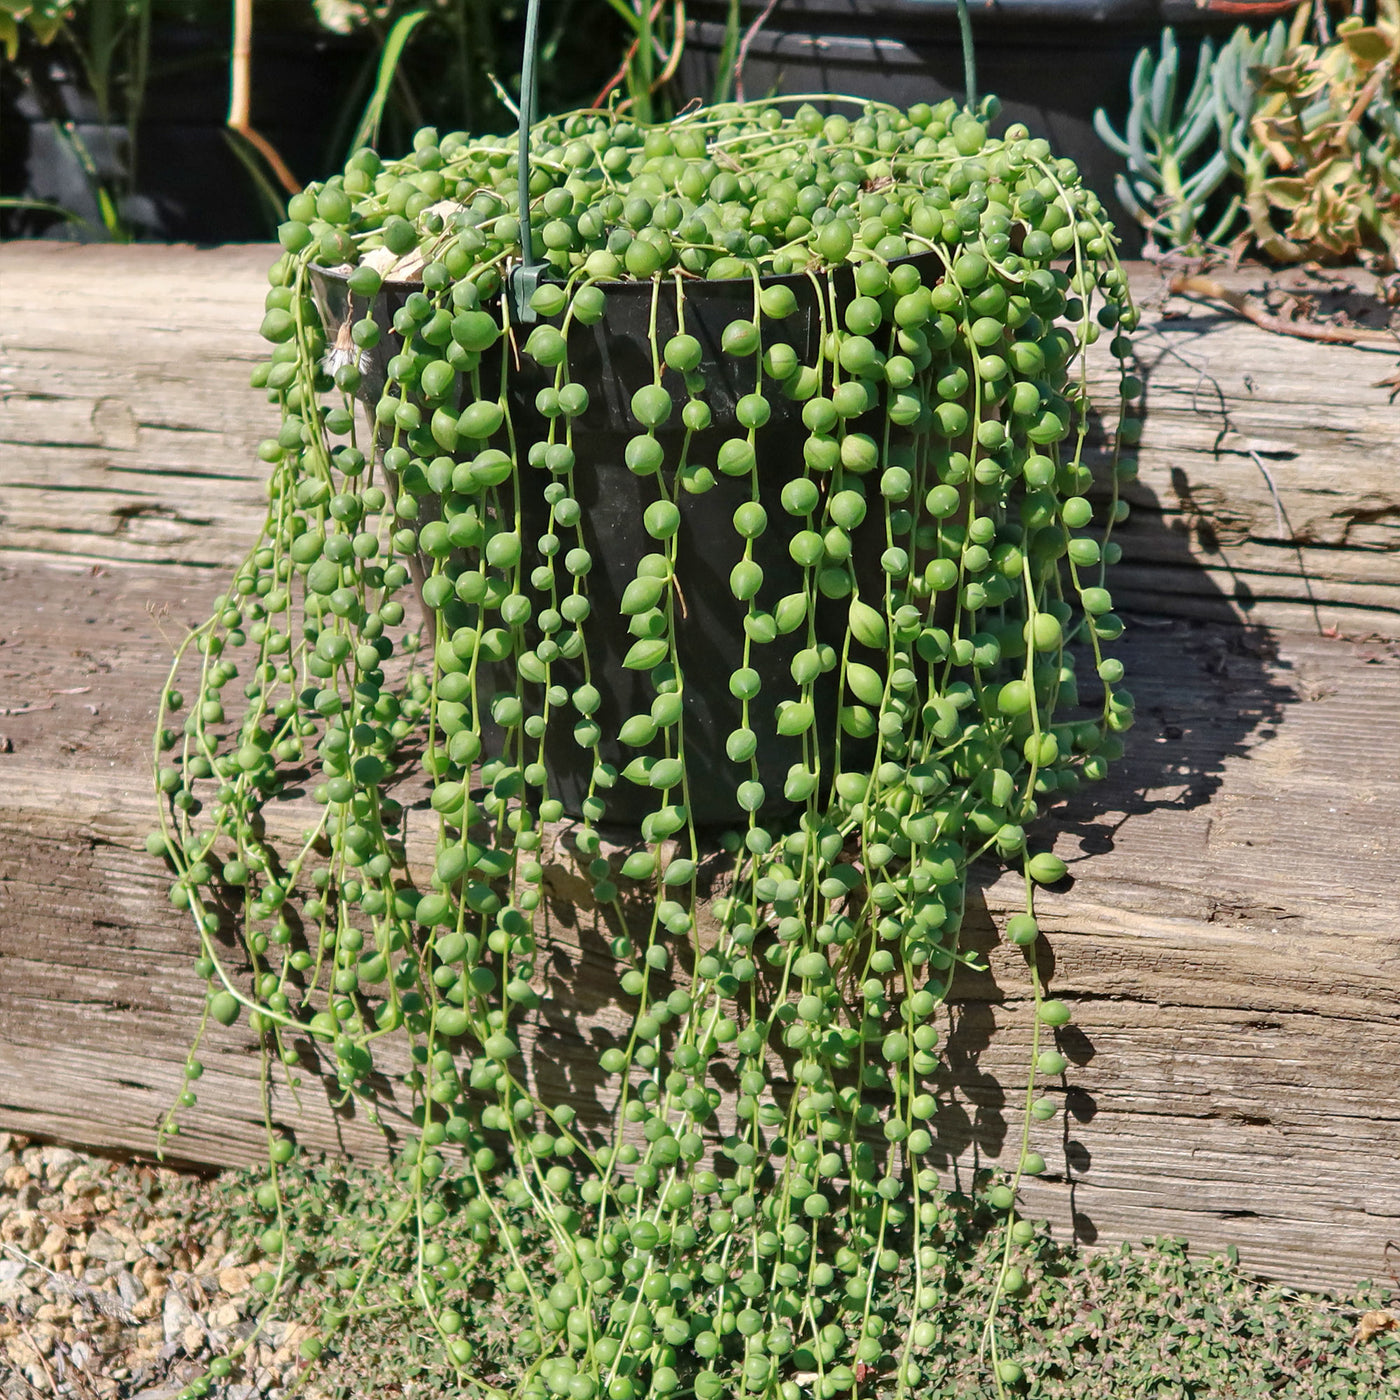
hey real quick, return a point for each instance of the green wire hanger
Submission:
(527, 275)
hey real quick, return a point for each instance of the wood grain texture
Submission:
(1229, 940)
(1267, 486)
(127, 425)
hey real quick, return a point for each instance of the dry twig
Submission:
(1208, 289)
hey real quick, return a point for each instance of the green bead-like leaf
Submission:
(857, 721)
(640, 865)
(1045, 868)
(640, 595)
(795, 717)
(790, 612)
(637, 731)
(680, 872)
(666, 773)
(750, 795)
(443, 427)
(639, 770)
(741, 745)
(867, 626)
(800, 784)
(865, 683)
(451, 1021)
(745, 579)
(666, 710)
(646, 653)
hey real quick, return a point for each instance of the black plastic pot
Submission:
(612, 360)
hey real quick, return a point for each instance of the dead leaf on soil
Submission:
(1373, 1322)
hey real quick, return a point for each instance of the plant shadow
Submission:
(1208, 686)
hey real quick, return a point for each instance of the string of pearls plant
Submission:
(862, 340)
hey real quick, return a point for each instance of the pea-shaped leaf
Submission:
(681, 871)
(640, 865)
(639, 770)
(480, 420)
(806, 665)
(443, 426)
(493, 864)
(474, 330)
(1003, 786)
(794, 717)
(450, 1021)
(866, 625)
(223, 1007)
(666, 710)
(1046, 868)
(790, 612)
(491, 467)
(546, 346)
(449, 947)
(640, 595)
(638, 730)
(857, 721)
(865, 683)
(745, 579)
(740, 745)
(666, 773)
(644, 654)
(437, 378)
(800, 784)
(500, 1046)
(750, 795)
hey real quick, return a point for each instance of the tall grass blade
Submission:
(367, 133)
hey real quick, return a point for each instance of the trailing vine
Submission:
(765, 531)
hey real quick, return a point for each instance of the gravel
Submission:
(111, 1290)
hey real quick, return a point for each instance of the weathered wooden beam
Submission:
(1229, 942)
(1267, 489)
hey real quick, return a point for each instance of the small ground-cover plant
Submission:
(854, 420)
(1119, 1324)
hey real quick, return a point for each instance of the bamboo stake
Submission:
(240, 95)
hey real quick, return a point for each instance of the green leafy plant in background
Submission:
(1233, 79)
(43, 18)
(474, 89)
(1323, 165)
(456, 63)
(111, 41)
(422, 630)
(1175, 161)
(1303, 137)
(449, 61)
(658, 37)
